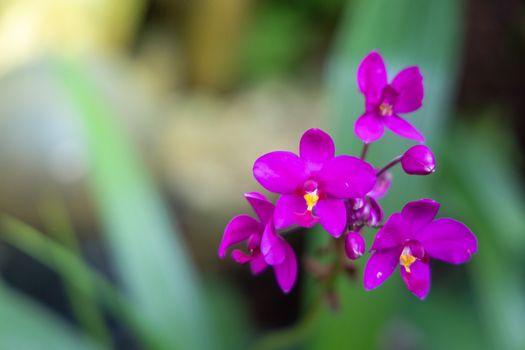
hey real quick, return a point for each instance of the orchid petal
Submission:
(418, 279)
(272, 246)
(376, 212)
(391, 235)
(448, 240)
(254, 241)
(380, 266)
(332, 215)
(238, 229)
(280, 171)
(258, 265)
(286, 210)
(369, 128)
(306, 219)
(371, 76)
(347, 177)
(381, 186)
(403, 128)
(419, 213)
(409, 84)
(261, 205)
(286, 272)
(241, 257)
(316, 147)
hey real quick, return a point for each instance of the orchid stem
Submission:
(294, 335)
(364, 151)
(389, 165)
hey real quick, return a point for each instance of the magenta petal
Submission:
(316, 147)
(369, 128)
(418, 279)
(332, 215)
(381, 186)
(380, 266)
(371, 76)
(258, 265)
(238, 229)
(272, 246)
(254, 241)
(286, 210)
(409, 85)
(306, 219)
(376, 212)
(347, 177)
(280, 171)
(403, 128)
(419, 213)
(286, 273)
(448, 240)
(261, 205)
(392, 234)
(241, 257)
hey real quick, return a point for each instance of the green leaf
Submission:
(27, 325)
(488, 194)
(83, 300)
(75, 273)
(147, 250)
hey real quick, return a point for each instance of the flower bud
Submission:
(418, 160)
(354, 245)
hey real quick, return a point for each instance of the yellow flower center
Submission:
(311, 199)
(386, 109)
(406, 259)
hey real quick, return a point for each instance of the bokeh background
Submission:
(128, 129)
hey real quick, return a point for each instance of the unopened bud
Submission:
(418, 160)
(354, 245)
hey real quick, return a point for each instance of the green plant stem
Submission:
(364, 151)
(392, 163)
(293, 335)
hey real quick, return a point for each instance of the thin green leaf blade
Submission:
(27, 325)
(148, 253)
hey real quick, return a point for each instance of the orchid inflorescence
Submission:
(341, 193)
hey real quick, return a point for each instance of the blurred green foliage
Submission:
(149, 255)
(26, 325)
(280, 38)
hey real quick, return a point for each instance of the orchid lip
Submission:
(310, 194)
(412, 252)
(407, 259)
(311, 199)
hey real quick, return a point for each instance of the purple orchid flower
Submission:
(314, 184)
(265, 246)
(384, 102)
(410, 239)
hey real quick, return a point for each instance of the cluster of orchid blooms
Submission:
(341, 193)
